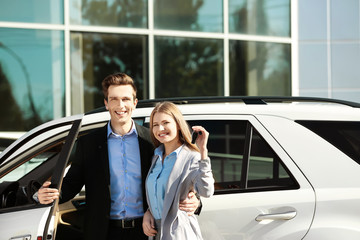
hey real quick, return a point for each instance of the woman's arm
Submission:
(203, 179)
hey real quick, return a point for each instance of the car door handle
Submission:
(276, 216)
(25, 237)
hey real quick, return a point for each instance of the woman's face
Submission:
(165, 128)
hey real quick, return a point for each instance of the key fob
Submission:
(194, 136)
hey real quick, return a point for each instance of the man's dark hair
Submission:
(117, 79)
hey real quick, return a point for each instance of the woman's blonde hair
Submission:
(183, 127)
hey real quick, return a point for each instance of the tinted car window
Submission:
(242, 160)
(343, 135)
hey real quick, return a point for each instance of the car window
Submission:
(30, 164)
(23, 175)
(139, 120)
(242, 160)
(343, 135)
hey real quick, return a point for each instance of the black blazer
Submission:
(91, 168)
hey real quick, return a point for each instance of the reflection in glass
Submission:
(259, 68)
(226, 149)
(31, 77)
(189, 15)
(266, 17)
(119, 13)
(94, 56)
(32, 11)
(188, 67)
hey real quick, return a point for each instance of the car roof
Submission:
(295, 108)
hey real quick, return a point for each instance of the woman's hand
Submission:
(47, 195)
(149, 224)
(202, 140)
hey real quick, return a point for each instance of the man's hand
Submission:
(47, 195)
(190, 204)
(149, 224)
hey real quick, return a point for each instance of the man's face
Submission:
(120, 104)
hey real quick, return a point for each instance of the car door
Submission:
(259, 191)
(38, 156)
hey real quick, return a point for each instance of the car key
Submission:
(194, 136)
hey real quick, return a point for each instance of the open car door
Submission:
(40, 155)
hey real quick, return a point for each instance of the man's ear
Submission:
(106, 104)
(135, 102)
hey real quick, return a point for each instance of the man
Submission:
(112, 163)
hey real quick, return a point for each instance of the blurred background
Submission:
(54, 54)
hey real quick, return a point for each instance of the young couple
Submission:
(130, 188)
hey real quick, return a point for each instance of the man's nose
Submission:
(121, 103)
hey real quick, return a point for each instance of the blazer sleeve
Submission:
(202, 177)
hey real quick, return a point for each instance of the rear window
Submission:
(342, 134)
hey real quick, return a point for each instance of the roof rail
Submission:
(244, 99)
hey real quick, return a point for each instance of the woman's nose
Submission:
(161, 127)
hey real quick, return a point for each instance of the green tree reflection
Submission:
(12, 119)
(119, 13)
(178, 14)
(185, 66)
(188, 67)
(104, 54)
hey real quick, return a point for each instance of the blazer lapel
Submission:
(103, 149)
(174, 180)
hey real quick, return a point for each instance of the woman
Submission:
(177, 168)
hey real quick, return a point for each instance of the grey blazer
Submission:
(189, 173)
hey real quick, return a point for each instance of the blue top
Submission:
(125, 175)
(158, 178)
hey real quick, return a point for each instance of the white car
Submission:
(285, 168)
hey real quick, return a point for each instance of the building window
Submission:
(260, 68)
(32, 11)
(171, 48)
(266, 17)
(188, 67)
(189, 15)
(132, 14)
(31, 77)
(95, 55)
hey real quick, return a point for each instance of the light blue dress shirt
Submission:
(158, 178)
(125, 175)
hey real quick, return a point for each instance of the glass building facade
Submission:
(54, 54)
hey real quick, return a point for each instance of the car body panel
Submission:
(324, 205)
(220, 219)
(37, 222)
(22, 223)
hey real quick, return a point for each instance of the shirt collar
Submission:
(159, 151)
(110, 132)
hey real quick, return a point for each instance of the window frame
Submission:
(252, 124)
